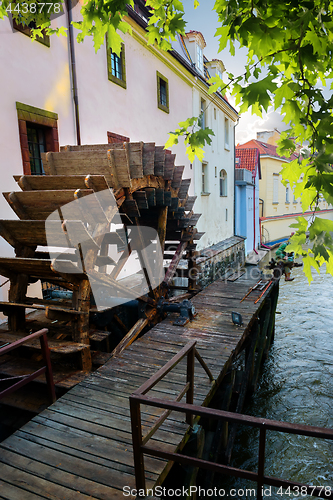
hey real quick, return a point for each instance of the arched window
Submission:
(223, 183)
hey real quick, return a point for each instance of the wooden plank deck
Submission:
(81, 447)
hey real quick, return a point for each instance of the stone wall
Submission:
(220, 260)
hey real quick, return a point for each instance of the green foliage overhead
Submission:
(289, 59)
(195, 138)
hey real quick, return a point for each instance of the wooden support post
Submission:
(48, 374)
(190, 380)
(81, 326)
(261, 462)
(220, 439)
(242, 395)
(161, 231)
(139, 466)
(17, 292)
(262, 342)
(271, 328)
(161, 226)
(193, 270)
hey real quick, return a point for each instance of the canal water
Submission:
(296, 386)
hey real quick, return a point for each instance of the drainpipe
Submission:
(234, 231)
(254, 213)
(73, 70)
(262, 210)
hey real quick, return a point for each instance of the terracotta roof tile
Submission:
(265, 149)
(247, 158)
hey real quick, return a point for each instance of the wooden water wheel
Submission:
(148, 190)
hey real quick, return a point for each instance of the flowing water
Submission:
(296, 386)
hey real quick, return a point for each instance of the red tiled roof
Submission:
(248, 158)
(265, 149)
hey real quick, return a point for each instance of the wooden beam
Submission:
(133, 333)
(175, 261)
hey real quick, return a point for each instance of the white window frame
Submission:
(202, 122)
(200, 58)
(204, 178)
(276, 182)
(287, 194)
(226, 133)
(223, 183)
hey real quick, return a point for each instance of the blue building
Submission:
(247, 175)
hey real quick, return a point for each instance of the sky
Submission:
(205, 20)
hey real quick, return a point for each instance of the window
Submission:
(199, 58)
(294, 199)
(37, 145)
(214, 113)
(204, 179)
(202, 118)
(215, 171)
(38, 131)
(223, 183)
(162, 92)
(226, 133)
(276, 182)
(26, 30)
(287, 194)
(116, 67)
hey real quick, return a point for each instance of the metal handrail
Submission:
(139, 442)
(25, 379)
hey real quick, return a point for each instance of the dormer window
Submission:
(199, 58)
(215, 68)
(195, 45)
(219, 74)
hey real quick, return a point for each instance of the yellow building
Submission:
(278, 206)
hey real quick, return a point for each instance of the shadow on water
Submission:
(296, 386)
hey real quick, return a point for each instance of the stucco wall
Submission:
(274, 229)
(278, 227)
(217, 211)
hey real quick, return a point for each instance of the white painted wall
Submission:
(217, 219)
(38, 76)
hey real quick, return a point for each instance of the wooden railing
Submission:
(140, 442)
(25, 379)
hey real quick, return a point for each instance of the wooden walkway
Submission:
(80, 447)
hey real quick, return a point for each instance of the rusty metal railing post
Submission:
(261, 461)
(190, 380)
(47, 360)
(139, 466)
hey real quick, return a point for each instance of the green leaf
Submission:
(173, 139)
(319, 226)
(296, 243)
(195, 151)
(309, 262)
(222, 33)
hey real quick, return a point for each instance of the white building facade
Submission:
(141, 96)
